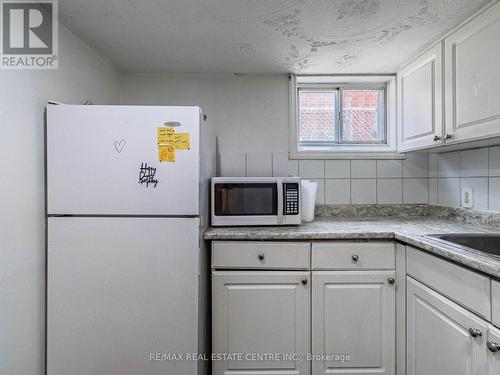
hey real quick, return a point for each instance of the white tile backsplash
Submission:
(449, 192)
(449, 164)
(494, 194)
(338, 169)
(420, 178)
(232, 164)
(416, 190)
(363, 168)
(478, 169)
(283, 166)
(433, 191)
(433, 165)
(416, 165)
(259, 164)
(474, 163)
(338, 191)
(479, 187)
(364, 191)
(389, 191)
(389, 168)
(312, 168)
(494, 161)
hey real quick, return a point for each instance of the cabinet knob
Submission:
(448, 136)
(391, 280)
(304, 281)
(493, 346)
(474, 332)
(355, 258)
(436, 138)
(261, 256)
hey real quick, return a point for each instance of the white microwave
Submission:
(255, 201)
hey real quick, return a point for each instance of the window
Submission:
(332, 117)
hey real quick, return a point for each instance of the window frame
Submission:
(342, 149)
(339, 118)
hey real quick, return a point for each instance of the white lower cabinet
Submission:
(261, 313)
(442, 337)
(336, 317)
(333, 316)
(493, 346)
(353, 320)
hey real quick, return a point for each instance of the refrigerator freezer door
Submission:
(120, 289)
(104, 160)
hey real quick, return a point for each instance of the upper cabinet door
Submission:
(442, 337)
(353, 315)
(420, 101)
(111, 160)
(472, 54)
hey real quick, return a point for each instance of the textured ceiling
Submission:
(262, 36)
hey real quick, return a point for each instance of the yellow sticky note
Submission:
(164, 134)
(166, 153)
(169, 141)
(180, 141)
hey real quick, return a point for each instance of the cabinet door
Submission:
(420, 102)
(443, 338)
(259, 313)
(472, 75)
(353, 322)
(493, 347)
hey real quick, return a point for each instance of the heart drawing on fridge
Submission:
(119, 145)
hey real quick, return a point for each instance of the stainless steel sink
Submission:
(484, 242)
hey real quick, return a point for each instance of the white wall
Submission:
(249, 112)
(23, 95)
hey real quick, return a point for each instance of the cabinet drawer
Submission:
(258, 255)
(495, 300)
(344, 255)
(468, 288)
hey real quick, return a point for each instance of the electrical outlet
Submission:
(467, 198)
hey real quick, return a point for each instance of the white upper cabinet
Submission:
(449, 94)
(420, 98)
(472, 75)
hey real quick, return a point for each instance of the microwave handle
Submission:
(281, 198)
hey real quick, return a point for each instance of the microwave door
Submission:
(251, 203)
(226, 202)
(247, 199)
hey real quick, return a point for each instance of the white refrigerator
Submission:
(127, 191)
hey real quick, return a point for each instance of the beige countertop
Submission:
(409, 230)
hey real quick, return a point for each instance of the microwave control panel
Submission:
(291, 206)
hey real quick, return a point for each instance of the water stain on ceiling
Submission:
(358, 8)
(262, 36)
